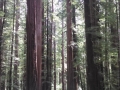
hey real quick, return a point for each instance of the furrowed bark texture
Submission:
(34, 44)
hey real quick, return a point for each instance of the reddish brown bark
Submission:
(34, 44)
(70, 80)
(30, 27)
(38, 33)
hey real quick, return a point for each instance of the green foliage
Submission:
(1, 13)
(101, 34)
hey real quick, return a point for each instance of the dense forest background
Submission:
(59, 44)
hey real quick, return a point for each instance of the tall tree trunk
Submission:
(106, 69)
(43, 49)
(70, 71)
(23, 84)
(30, 27)
(94, 65)
(12, 52)
(47, 61)
(54, 59)
(16, 61)
(75, 49)
(114, 62)
(38, 29)
(63, 61)
(114, 46)
(1, 31)
(2, 20)
(54, 46)
(34, 44)
(119, 45)
(49, 51)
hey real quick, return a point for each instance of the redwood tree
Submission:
(94, 64)
(70, 76)
(34, 44)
